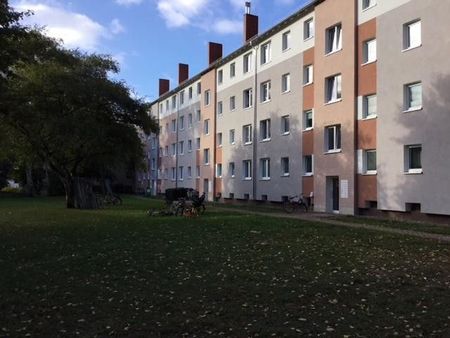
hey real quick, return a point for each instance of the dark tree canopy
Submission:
(62, 107)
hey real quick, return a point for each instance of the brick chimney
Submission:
(164, 86)
(251, 23)
(183, 72)
(215, 51)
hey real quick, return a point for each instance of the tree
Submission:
(65, 110)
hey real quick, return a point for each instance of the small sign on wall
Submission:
(344, 188)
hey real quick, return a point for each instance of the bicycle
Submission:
(295, 202)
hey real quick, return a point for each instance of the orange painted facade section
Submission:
(308, 185)
(308, 142)
(308, 97)
(367, 134)
(367, 189)
(367, 83)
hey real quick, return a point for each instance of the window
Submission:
(247, 169)
(167, 105)
(308, 120)
(181, 147)
(286, 40)
(206, 156)
(174, 102)
(181, 173)
(219, 139)
(232, 103)
(197, 143)
(265, 168)
(153, 163)
(190, 93)
(413, 96)
(219, 108)
(370, 161)
(247, 134)
(220, 76)
(333, 138)
(370, 51)
(181, 122)
(333, 90)
(166, 151)
(308, 74)
(174, 149)
(182, 97)
(285, 83)
(248, 62)
(285, 125)
(166, 174)
(265, 91)
(174, 173)
(190, 120)
(248, 98)
(231, 169)
(174, 126)
(333, 39)
(189, 172)
(264, 126)
(197, 171)
(412, 35)
(232, 70)
(207, 97)
(232, 136)
(206, 127)
(413, 160)
(199, 88)
(265, 53)
(285, 166)
(189, 146)
(308, 29)
(219, 170)
(369, 106)
(308, 165)
(198, 115)
(160, 152)
(368, 3)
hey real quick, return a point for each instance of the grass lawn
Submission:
(119, 272)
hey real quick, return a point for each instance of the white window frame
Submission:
(174, 173)
(206, 127)
(367, 4)
(247, 137)
(189, 146)
(285, 121)
(308, 29)
(409, 29)
(181, 145)
(266, 53)
(248, 62)
(174, 125)
(232, 136)
(305, 119)
(366, 114)
(369, 51)
(305, 171)
(219, 172)
(198, 115)
(308, 75)
(333, 40)
(219, 108)
(181, 174)
(197, 143)
(197, 171)
(181, 122)
(232, 169)
(232, 103)
(286, 83)
(286, 41)
(232, 70)
(283, 162)
(206, 156)
(247, 170)
(219, 140)
(265, 91)
(408, 103)
(207, 100)
(247, 98)
(189, 172)
(190, 120)
(265, 169)
(408, 168)
(333, 89)
(366, 170)
(337, 139)
(265, 132)
(220, 76)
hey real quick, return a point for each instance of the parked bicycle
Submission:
(295, 202)
(108, 199)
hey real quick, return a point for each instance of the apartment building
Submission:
(344, 101)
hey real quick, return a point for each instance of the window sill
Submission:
(247, 143)
(233, 176)
(369, 173)
(336, 151)
(265, 140)
(285, 175)
(308, 129)
(411, 48)
(265, 179)
(232, 143)
(308, 174)
(333, 102)
(266, 63)
(206, 164)
(286, 49)
(286, 133)
(333, 52)
(413, 109)
(368, 63)
(367, 8)
(370, 117)
(308, 38)
(219, 146)
(286, 92)
(266, 101)
(247, 179)
(414, 172)
(308, 84)
(248, 108)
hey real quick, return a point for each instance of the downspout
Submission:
(177, 137)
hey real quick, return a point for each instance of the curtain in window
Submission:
(415, 95)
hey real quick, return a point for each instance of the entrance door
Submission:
(332, 190)
(206, 187)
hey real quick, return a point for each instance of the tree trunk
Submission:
(29, 184)
(68, 187)
(79, 193)
(45, 182)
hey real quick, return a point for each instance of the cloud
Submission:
(225, 26)
(178, 13)
(128, 2)
(116, 27)
(74, 29)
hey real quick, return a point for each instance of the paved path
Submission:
(323, 218)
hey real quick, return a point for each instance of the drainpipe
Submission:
(177, 137)
(255, 123)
